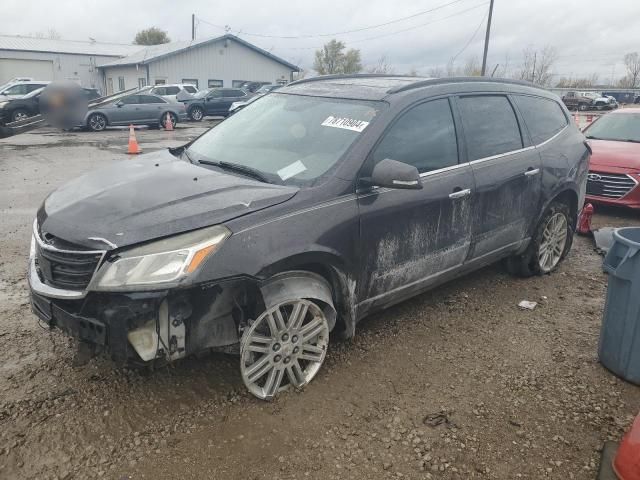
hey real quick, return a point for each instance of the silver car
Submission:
(136, 109)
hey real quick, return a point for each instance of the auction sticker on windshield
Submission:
(345, 123)
(291, 170)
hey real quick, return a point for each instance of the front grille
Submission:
(70, 268)
(610, 185)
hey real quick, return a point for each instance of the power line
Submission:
(294, 37)
(396, 32)
(453, 59)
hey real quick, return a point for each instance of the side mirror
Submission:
(393, 174)
(119, 104)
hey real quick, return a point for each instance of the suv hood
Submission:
(154, 196)
(610, 153)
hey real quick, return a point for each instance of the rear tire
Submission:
(550, 244)
(172, 117)
(583, 107)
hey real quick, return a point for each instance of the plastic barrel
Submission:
(619, 347)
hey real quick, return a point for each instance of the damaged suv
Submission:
(311, 208)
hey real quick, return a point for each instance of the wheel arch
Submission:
(569, 196)
(333, 273)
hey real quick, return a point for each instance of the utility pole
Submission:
(193, 26)
(486, 40)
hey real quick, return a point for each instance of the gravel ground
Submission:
(456, 383)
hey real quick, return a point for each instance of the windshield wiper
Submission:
(248, 171)
(186, 154)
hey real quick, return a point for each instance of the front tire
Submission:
(283, 347)
(583, 107)
(19, 114)
(550, 244)
(97, 122)
(196, 114)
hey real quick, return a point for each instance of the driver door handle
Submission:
(460, 193)
(531, 173)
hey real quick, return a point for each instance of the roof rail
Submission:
(439, 81)
(352, 75)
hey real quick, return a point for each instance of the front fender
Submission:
(299, 284)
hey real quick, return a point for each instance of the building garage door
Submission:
(36, 69)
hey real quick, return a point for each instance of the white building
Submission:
(46, 59)
(226, 61)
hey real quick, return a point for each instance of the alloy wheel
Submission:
(97, 122)
(19, 115)
(554, 240)
(284, 347)
(196, 114)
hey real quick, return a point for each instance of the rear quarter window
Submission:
(490, 126)
(543, 117)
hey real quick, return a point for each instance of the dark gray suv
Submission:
(311, 208)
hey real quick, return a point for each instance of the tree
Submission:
(472, 67)
(537, 65)
(351, 62)
(413, 72)
(51, 34)
(332, 59)
(632, 62)
(381, 67)
(151, 36)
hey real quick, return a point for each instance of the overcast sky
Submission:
(590, 36)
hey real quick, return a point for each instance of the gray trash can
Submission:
(619, 348)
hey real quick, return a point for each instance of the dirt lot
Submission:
(457, 383)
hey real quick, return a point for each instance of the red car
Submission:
(614, 170)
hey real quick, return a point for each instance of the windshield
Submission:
(624, 127)
(293, 139)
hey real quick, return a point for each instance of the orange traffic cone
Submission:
(134, 148)
(168, 124)
(627, 461)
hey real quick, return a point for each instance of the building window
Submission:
(160, 81)
(215, 83)
(142, 82)
(238, 83)
(109, 86)
(190, 81)
(121, 84)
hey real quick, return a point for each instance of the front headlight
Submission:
(3, 104)
(165, 261)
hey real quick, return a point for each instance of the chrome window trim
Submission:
(554, 137)
(500, 155)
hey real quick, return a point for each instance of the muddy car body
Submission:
(341, 213)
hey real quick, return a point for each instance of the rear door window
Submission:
(490, 126)
(543, 117)
(150, 99)
(424, 137)
(130, 100)
(172, 90)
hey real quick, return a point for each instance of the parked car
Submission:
(614, 170)
(236, 106)
(613, 102)
(20, 89)
(173, 91)
(308, 210)
(214, 102)
(252, 87)
(137, 109)
(263, 90)
(20, 108)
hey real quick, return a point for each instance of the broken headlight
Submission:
(165, 261)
